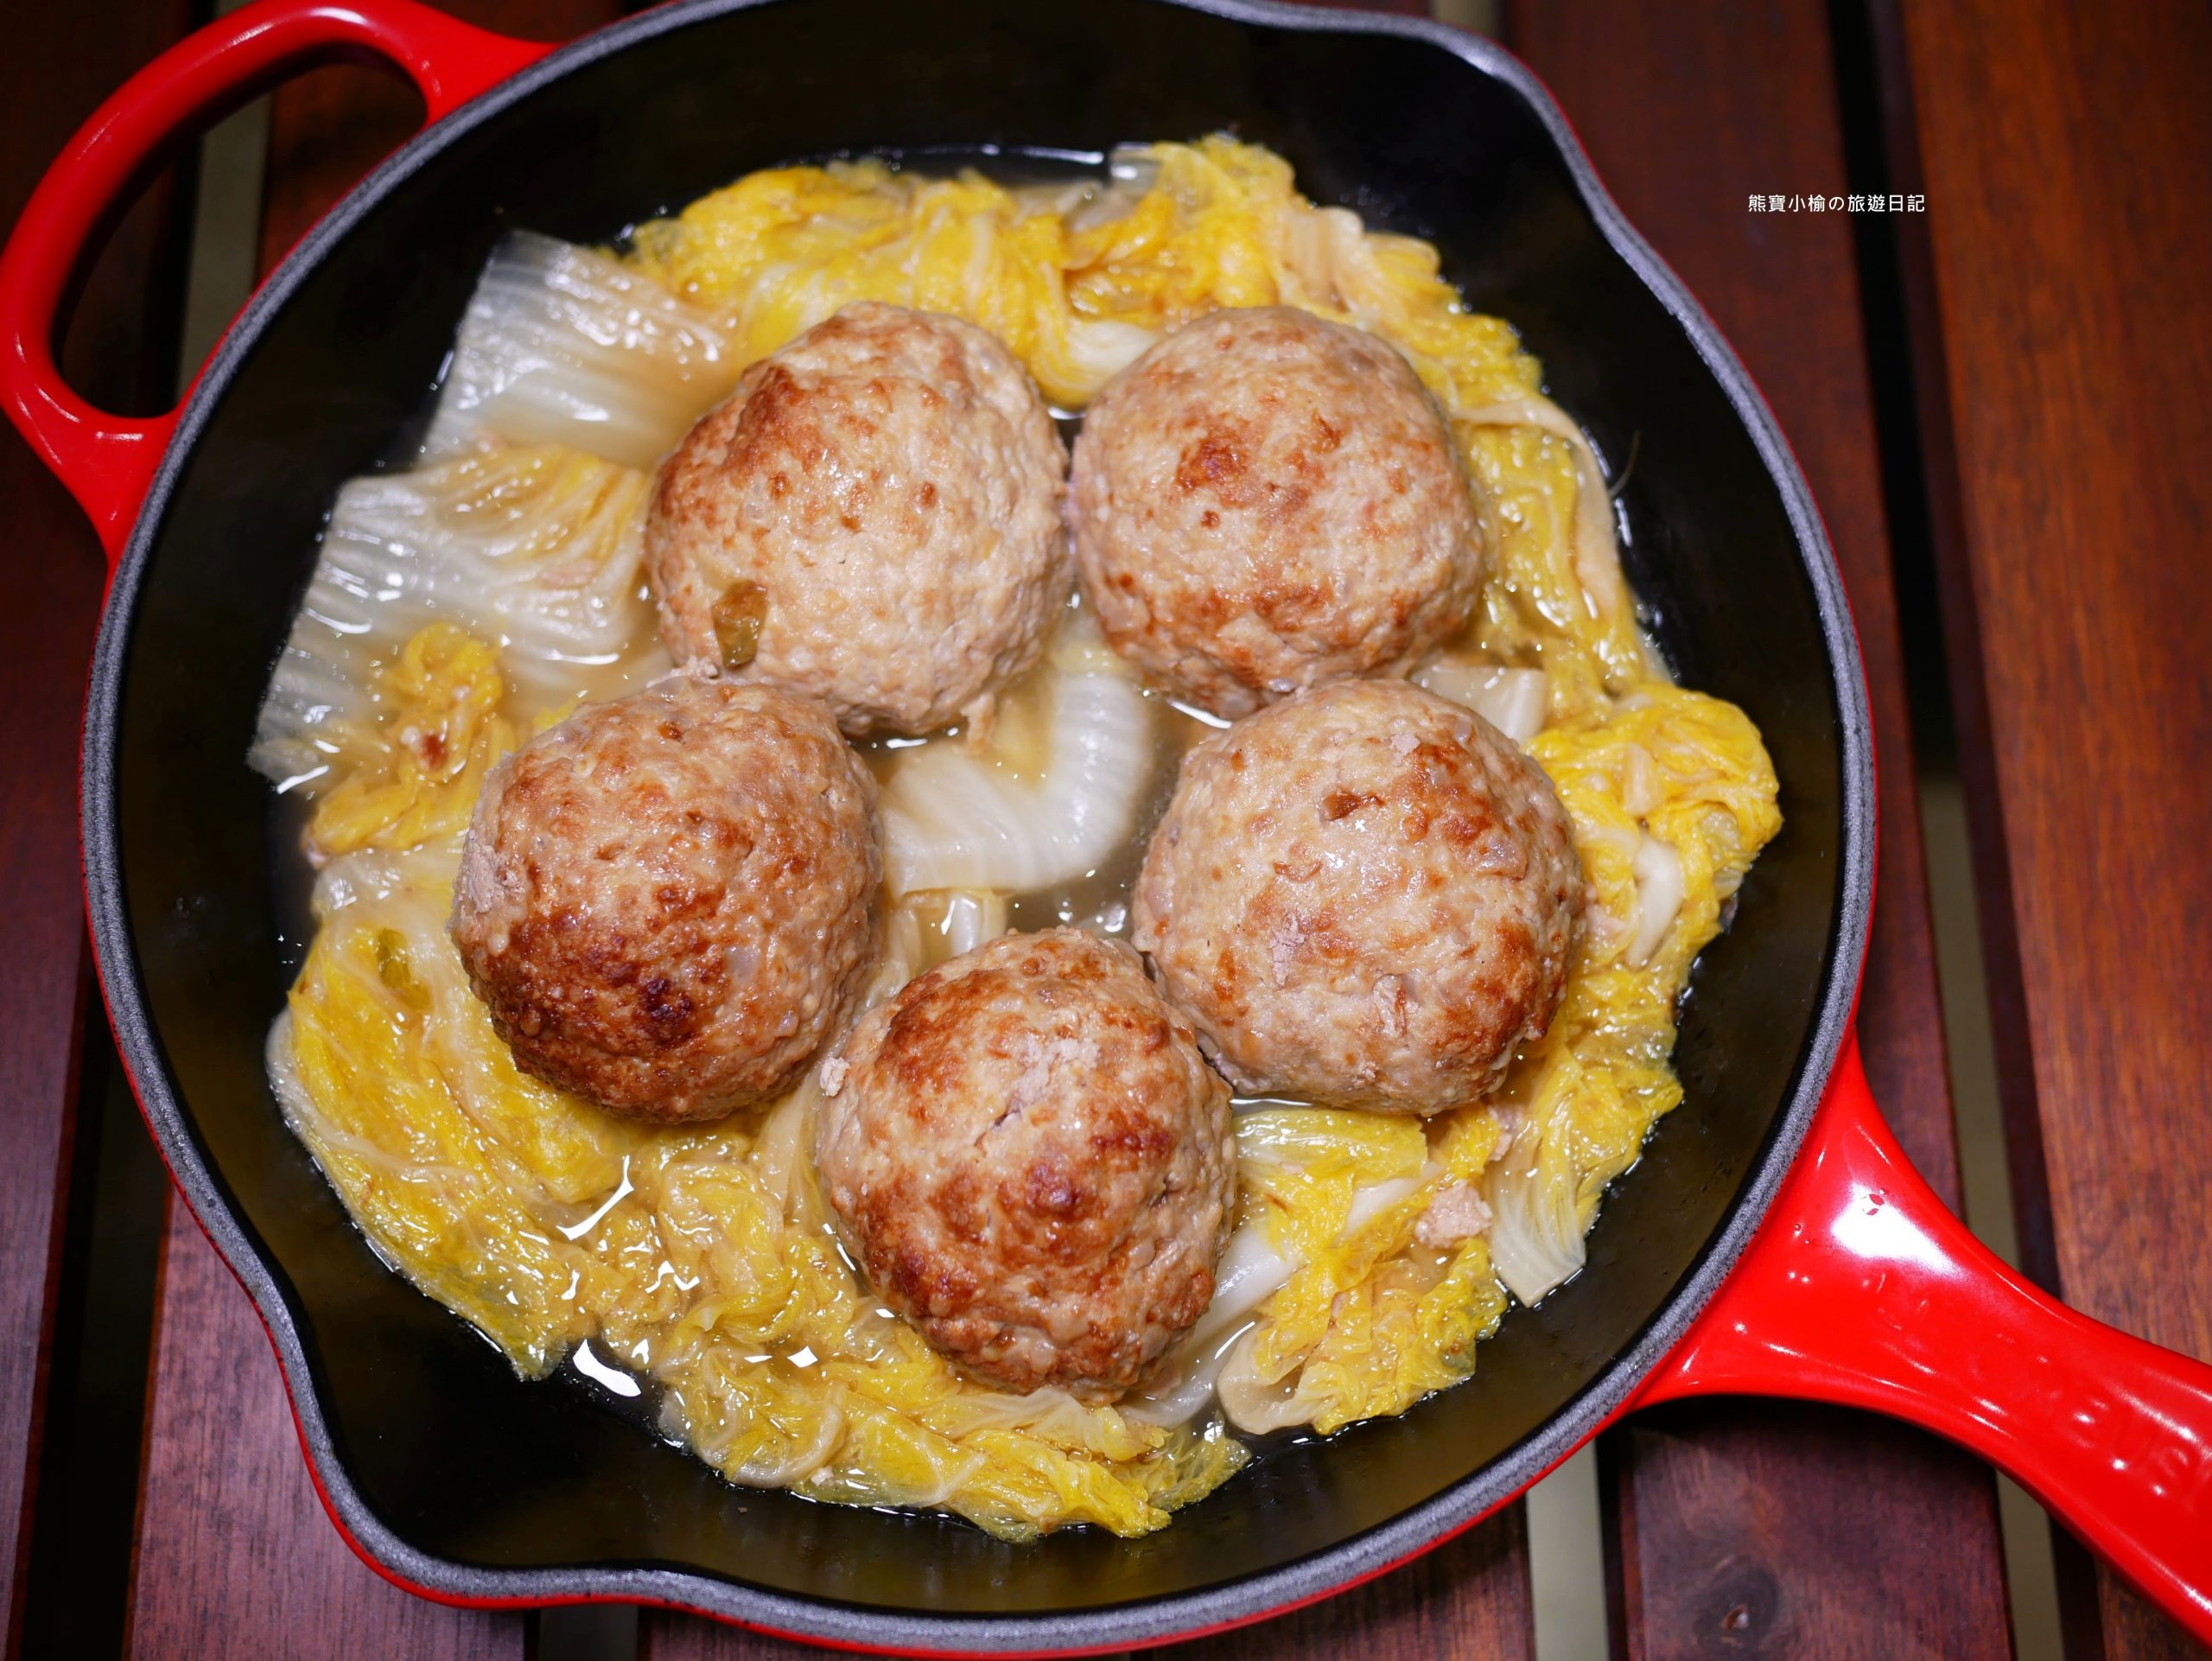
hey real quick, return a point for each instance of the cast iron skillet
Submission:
(453, 1477)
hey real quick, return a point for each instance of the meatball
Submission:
(1364, 896)
(667, 901)
(1028, 1156)
(1265, 501)
(872, 518)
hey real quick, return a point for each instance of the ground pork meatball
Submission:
(1364, 896)
(1265, 501)
(874, 518)
(667, 901)
(1032, 1160)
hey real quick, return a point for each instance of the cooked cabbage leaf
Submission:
(1670, 768)
(957, 817)
(532, 549)
(461, 605)
(567, 345)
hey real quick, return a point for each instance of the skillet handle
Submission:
(1863, 1289)
(108, 461)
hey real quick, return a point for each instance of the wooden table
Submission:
(2005, 405)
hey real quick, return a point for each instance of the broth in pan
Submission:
(1329, 550)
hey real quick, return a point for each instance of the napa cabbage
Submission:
(1517, 702)
(564, 345)
(1671, 795)
(532, 549)
(1013, 815)
(458, 606)
(1375, 1313)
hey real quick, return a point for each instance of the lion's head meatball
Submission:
(872, 518)
(668, 901)
(1032, 1160)
(1266, 500)
(1364, 896)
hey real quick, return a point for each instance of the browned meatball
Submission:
(667, 901)
(1032, 1160)
(1265, 501)
(1364, 896)
(874, 518)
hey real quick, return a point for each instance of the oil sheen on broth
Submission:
(484, 591)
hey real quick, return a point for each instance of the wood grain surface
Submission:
(51, 577)
(2064, 331)
(1468, 1600)
(2070, 423)
(1765, 1528)
(235, 1556)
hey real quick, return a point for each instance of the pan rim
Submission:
(1104, 1627)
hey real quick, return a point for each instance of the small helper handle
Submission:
(1863, 1289)
(108, 461)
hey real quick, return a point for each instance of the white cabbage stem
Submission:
(534, 549)
(953, 820)
(1514, 701)
(1659, 892)
(1253, 1268)
(564, 345)
(1376, 1198)
(1535, 1233)
(1597, 553)
(971, 919)
(1250, 1272)
(1257, 1406)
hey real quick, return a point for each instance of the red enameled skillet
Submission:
(1773, 1240)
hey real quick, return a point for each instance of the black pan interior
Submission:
(439, 1442)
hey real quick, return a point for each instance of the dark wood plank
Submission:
(1774, 1528)
(1466, 1602)
(1742, 1532)
(665, 1635)
(233, 1554)
(668, 1635)
(2064, 338)
(1469, 1600)
(58, 69)
(329, 128)
(49, 598)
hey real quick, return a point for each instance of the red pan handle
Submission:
(1862, 1288)
(108, 461)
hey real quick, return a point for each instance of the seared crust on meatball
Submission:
(1265, 501)
(667, 901)
(874, 518)
(1364, 895)
(1028, 1156)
